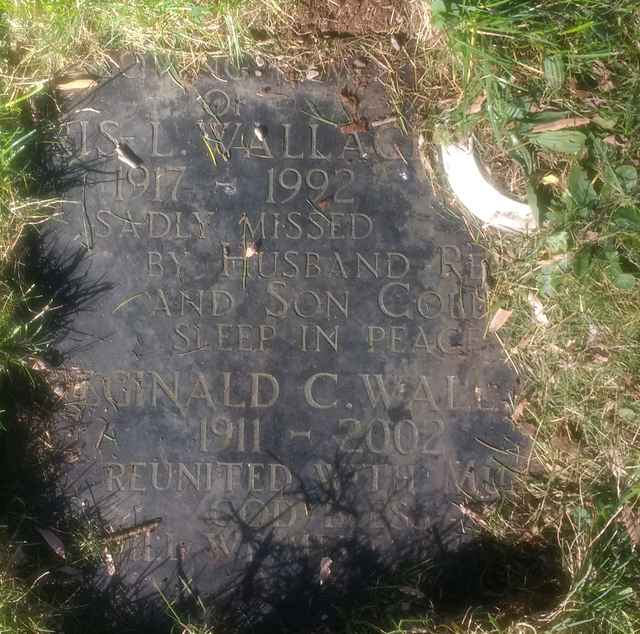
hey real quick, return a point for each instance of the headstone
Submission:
(284, 361)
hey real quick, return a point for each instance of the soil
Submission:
(352, 17)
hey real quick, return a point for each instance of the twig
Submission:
(133, 531)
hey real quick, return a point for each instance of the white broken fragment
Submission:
(538, 310)
(479, 196)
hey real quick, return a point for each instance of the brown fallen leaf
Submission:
(631, 521)
(519, 410)
(472, 515)
(350, 103)
(361, 125)
(77, 84)
(561, 124)
(614, 139)
(109, 565)
(325, 569)
(559, 257)
(604, 76)
(499, 319)
(53, 541)
(616, 463)
(538, 309)
(39, 365)
(476, 104)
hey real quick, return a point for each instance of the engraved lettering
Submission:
(309, 394)
(155, 139)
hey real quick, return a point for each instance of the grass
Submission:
(547, 63)
(529, 65)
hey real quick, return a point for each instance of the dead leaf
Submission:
(561, 124)
(77, 84)
(550, 179)
(614, 139)
(604, 78)
(559, 257)
(591, 236)
(109, 565)
(472, 515)
(325, 569)
(616, 463)
(361, 125)
(630, 520)
(519, 410)
(350, 102)
(39, 365)
(53, 541)
(538, 310)
(312, 73)
(499, 319)
(476, 104)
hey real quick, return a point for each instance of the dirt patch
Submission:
(355, 17)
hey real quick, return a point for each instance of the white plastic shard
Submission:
(479, 196)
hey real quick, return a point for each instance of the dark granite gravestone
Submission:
(287, 360)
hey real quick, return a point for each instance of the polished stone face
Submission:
(286, 357)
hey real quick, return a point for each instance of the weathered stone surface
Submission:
(287, 360)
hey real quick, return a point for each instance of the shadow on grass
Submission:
(433, 574)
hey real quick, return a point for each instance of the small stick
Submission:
(381, 122)
(133, 531)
